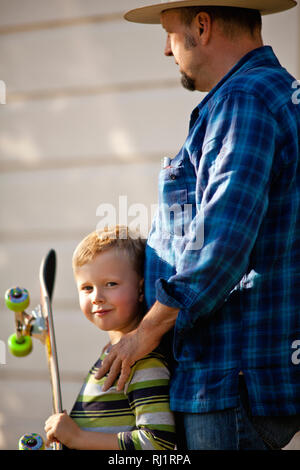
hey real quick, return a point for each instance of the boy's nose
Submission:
(168, 49)
(98, 297)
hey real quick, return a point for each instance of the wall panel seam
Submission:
(74, 92)
(60, 23)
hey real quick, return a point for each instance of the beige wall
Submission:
(92, 107)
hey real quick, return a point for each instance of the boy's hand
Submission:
(61, 428)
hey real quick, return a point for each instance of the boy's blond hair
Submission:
(119, 237)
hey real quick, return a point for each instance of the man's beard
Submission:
(188, 82)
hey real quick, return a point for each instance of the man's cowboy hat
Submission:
(151, 13)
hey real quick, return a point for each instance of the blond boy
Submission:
(108, 269)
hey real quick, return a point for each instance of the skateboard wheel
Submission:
(17, 299)
(20, 347)
(31, 442)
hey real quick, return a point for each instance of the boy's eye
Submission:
(87, 288)
(111, 284)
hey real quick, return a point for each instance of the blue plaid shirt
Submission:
(224, 246)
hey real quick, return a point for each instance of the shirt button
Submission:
(173, 177)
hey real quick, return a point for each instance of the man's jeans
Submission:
(236, 429)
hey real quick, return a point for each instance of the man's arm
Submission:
(234, 173)
(237, 159)
(137, 344)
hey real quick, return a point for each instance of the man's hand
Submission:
(136, 345)
(122, 356)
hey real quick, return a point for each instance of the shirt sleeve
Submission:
(148, 396)
(233, 177)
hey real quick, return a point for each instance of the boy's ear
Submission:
(141, 290)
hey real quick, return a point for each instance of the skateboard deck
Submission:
(47, 278)
(38, 324)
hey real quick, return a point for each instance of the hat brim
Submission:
(151, 13)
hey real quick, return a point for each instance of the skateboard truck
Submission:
(27, 325)
(38, 324)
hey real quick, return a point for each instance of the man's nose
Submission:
(168, 49)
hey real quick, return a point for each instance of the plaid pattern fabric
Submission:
(224, 246)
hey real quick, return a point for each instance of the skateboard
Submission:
(38, 324)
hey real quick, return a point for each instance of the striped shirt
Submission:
(140, 415)
(234, 271)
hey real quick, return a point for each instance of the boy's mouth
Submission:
(101, 312)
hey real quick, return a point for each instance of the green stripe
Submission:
(156, 404)
(148, 384)
(116, 422)
(102, 398)
(128, 414)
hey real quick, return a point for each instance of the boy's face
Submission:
(109, 292)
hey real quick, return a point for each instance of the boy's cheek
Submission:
(82, 301)
(85, 308)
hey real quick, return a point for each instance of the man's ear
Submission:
(203, 25)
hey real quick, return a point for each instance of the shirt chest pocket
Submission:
(173, 197)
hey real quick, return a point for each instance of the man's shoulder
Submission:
(272, 85)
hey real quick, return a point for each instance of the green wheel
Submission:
(31, 442)
(17, 299)
(20, 347)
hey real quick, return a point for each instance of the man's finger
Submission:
(113, 374)
(105, 366)
(125, 373)
(105, 348)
